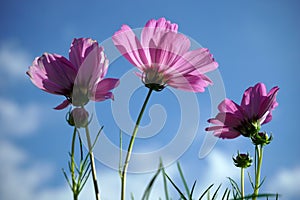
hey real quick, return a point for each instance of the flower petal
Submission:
(223, 132)
(130, 47)
(79, 50)
(154, 30)
(92, 70)
(190, 82)
(103, 89)
(198, 61)
(252, 99)
(52, 73)
(63, 105)
(269, 104)
(230, 134)
(170, 48)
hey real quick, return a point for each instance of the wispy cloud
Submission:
(14, 60)
(20, 175)
(26, 179)
(18, 120)
(286, 183)
(35, 176)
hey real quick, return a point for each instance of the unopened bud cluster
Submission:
(78, 117)
(261, 138)
(242, 160)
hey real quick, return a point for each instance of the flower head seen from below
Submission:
(246, 119)
(163, 57)
(79, 78)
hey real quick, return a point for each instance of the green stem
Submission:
(74, 185)
(259, 152)
(242, 182)
(130, 147)
(93, 168)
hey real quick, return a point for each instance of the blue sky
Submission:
(253, 41)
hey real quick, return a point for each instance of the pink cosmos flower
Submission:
(256, 108)
(163, 56)
(79, 79)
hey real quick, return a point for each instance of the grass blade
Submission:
(204, 193)
(183, 180)
(216, 192)
(175, 186)
(150, 185)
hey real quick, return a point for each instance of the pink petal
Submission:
(252, 99)
(269, 104)
(79, 49)
(228, 105)
(92, 69)
(63, 105)
(216, 122)
(37, 73)
(54, 88)
(230, 134)
(268, 118)
(154, 31)
(223, 132)
(170, 48)
(53, 73)
(129, 46)
(103, 89)
(214, 128)
(190, 82)
(198, 61)
(229, 119)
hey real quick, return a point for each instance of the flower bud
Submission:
(261, 138)
(78, 117)
(242, 160)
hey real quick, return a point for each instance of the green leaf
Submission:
(206, 191)
(216, 192)
(251, 182)
(66, 176)
(183, 180)
(164, 180)
(150, 185)
(224, 195)
(235, 188)
(192, 191)
(97, 137)
(121, 156)
(175, 186)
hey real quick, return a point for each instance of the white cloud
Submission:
(17, 180)
(26, 178)
(14, 60)
(217, 167)
(286, 183)
(18, 119)
(220, 166)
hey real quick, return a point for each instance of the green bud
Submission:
(78, 117)
(242, 160)
(261, 138)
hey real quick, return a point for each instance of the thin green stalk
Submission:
(93, 168)
(74, 185)
(242, 182)
(130, 146)
(259, 156)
